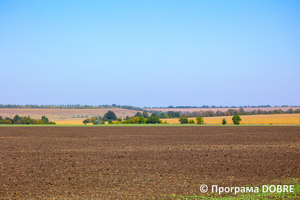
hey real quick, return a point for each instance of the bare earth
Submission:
(143, 162)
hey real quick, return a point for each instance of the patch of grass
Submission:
(114, 125)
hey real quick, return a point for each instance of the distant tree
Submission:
(153, 120)
(16, 118)
(7, 121)
(224, 121)
(241, 111)
(142, 120)
(170, 114)
(219, 113)
(183, 120)
(176, 114)
(236, 119)
(290, 110)
(44, 119)
(97, 121)
(145, 114)
(110, 115)
(110, 121)
(163, 115)
(138, 114)
(135, 120)
(154, 114)
(199, 120)
(191, 121)
(86, 121)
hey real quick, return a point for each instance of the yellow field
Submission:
(246, 119)
(71, 122)
(250, 119)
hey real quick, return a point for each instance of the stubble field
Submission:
(72, 116)
(273, 119)
(142, 162)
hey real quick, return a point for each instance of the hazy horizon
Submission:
(150, 53)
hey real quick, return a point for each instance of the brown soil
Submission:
(114, 162)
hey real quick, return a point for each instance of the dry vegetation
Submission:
(221, 109)
(250, 119)
(62, 114)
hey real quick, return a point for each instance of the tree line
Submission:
(232, 112)
(206, 106)
(138, 118)
(71, 106)
(24, 120)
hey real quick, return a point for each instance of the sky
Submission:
(150, 53)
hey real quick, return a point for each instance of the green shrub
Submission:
(199, 120)
(153, 120)
(236, 119)
(183, 120)
(191, 121)
(224, 121)
(142, 120)
(97, 121)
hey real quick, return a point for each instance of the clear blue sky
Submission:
(150, 53)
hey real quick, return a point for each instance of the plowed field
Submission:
(142, 162)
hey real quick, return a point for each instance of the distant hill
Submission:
(223, 109)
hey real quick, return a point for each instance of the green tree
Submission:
(224, 121)
(153, 120)
(154, 114)
(142, 120)
(110, 115)
(163, 115)
(135, 120)
(110, 121)
(86, 121)
(199, 120)
(16, 118)
(177, 114)
(191, 121)
(236, 119)
(183, 120)
(97, 121)
(138, 114)
(170, 114)
(145, 114)
(44, 119)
